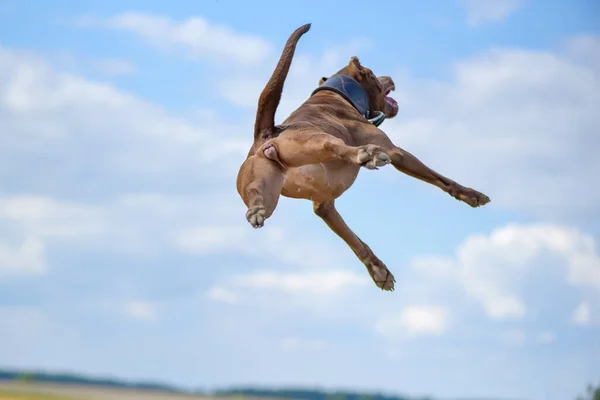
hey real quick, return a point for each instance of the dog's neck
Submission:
(350, 90)
(353, 93)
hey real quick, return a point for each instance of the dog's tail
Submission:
(271, 94)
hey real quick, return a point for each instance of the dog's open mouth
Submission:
(391, 102)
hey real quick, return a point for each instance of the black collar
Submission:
(353, 93)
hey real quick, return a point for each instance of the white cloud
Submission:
(133, 141)
(582, 314)
(25, 259)
(143, 225)
(113, 66)
(534, 108)
(220, 294)
(584, 269)
(194, 35)
(584, 49)
(47, 217)
(138, 224)
(291, 248)
(493, 268)
(433, 266)
(480, 12)
(278, 295)
(77, 65)
(298, 344)
(499, 307)
(415, 320)
(546, 337)
(210, 239)
(141, 310)
(103, 141)
(304, 282)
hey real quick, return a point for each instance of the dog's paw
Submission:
(256, 216)
(470, 196)
(371, 157)
(380, 274)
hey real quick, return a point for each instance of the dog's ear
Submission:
(322, 80)
(357, 68)
(355, 62)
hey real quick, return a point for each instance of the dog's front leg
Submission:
(407, 163)
(382, 276)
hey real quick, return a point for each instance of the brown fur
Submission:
(317, 152)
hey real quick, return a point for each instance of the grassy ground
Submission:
(13, 390)
(11, 395)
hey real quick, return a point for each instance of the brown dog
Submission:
(317, 152)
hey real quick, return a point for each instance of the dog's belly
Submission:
(319, 182)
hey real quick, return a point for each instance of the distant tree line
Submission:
(294, 394)
(592, 392)
(307, 394)
(32, 376)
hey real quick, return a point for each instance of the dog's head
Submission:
(378, 88)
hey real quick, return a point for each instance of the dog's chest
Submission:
(319, 182)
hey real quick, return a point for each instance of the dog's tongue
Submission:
(392, 102)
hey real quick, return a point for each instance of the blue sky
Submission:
(123, 245)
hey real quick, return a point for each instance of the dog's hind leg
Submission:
(261, 176)
(382, 276)
(259, 183)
